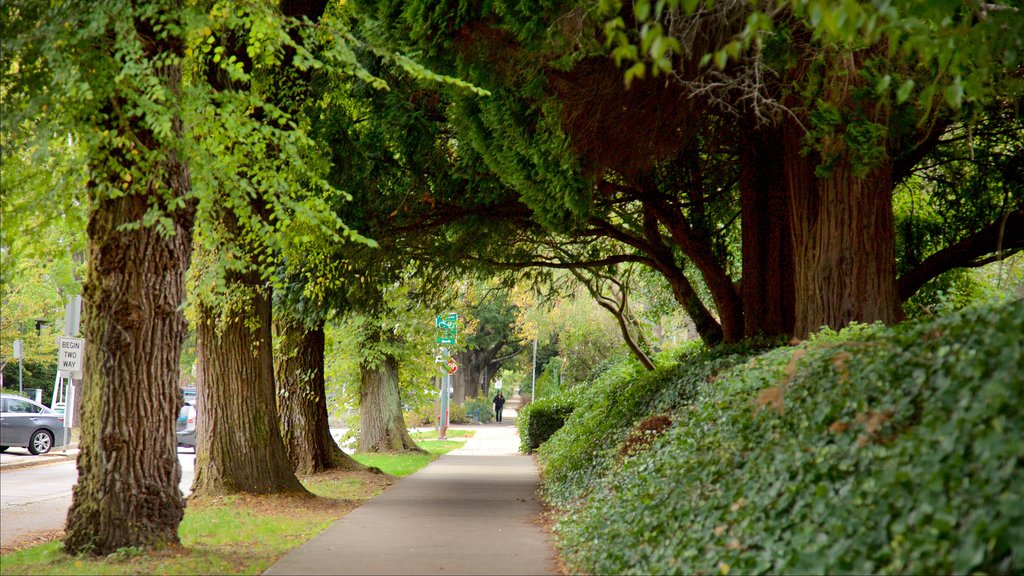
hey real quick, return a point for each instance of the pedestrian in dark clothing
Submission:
(499, 403)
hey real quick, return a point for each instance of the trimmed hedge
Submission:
(871, 450)
(539, 420)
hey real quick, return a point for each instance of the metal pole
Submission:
(20, 390)
(533, 387)
(442, 418)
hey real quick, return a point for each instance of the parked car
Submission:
(28, 424)
(186, 426)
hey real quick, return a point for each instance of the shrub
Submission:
(539, 420)
(871, 450)
(457, 414)
(480, 408)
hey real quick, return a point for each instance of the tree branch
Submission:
(1000, 239)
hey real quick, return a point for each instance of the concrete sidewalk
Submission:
(472, 511)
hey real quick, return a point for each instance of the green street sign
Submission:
(450, 340)
(447, 322)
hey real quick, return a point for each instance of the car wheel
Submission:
(40, 443)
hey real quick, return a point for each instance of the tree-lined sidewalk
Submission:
(485, 492)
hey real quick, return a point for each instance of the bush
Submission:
(457, 414)
(871, 450)
(539, 420)
(480, 408)
(41, 376)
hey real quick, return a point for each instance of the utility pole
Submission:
(533, 387)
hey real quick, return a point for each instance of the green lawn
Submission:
(432, 434)
(405, 464)
(237, 534)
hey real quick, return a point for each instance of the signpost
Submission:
(70, 365)
(449, 325)
(18, 353)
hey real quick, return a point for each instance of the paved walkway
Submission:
(472, 511)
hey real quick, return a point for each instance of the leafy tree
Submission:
(237, 398)
(861, 93)
(488, 340)
(664, 168)
(110, 74)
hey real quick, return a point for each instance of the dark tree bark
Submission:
(239, 446)
(128, 473)
(302, 399)
(844, 243)
(473, 364)
(767, 286)
(382, 427)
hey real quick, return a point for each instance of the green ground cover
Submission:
(871, 450)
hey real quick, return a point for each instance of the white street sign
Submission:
(71, 355)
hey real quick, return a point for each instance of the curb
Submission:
(39, 461)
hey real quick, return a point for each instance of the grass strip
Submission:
(405, 464)
(242, 534)
(432, 434)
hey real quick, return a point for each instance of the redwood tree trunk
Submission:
(767, 287)
(382, 427)
(127, 493)
(302, 399)
(843, 244)
(239, 446)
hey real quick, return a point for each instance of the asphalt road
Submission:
(37, 498)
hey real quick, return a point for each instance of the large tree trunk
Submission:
(128, 473)
(239, 446)
(843, 243)
(382, 427)
(468, 381)
(302, 399)
(767, 287)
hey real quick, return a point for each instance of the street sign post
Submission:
(19, 353)
(449, 326)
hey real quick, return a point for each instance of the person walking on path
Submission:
(499, 403)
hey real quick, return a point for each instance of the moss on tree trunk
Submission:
(382, 427)
(239, 446)
(127, 493)
(302, 399)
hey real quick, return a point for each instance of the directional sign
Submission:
(71, 356)
(446, 340)
(447, 322)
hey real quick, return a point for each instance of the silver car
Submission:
(29, 425)
(186, 426)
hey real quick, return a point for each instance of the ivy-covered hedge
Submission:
(871, 450)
